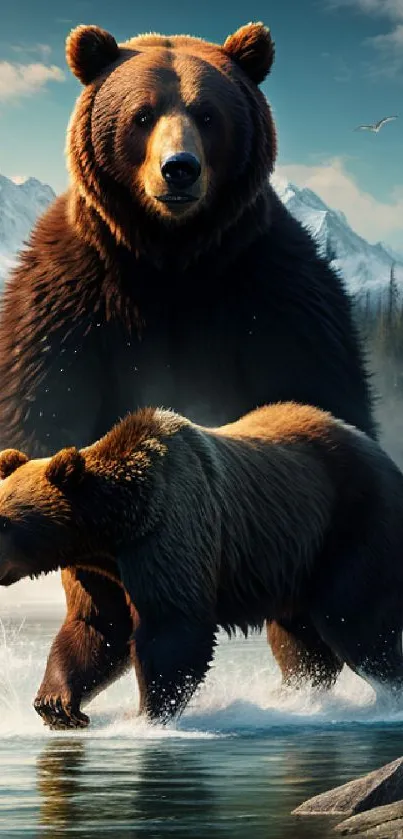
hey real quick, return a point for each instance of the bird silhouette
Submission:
(376, 126)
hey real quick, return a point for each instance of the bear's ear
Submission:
(89, 50)
(252, 48)
(66, 469)
(10, 460)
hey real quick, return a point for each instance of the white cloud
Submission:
(372, 219)
(43, 50)
(390, 49)
(392, 9)
(17, 80)
(389, 45)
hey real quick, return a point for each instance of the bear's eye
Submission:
(144, 117)
(4, 524)
(206, 118)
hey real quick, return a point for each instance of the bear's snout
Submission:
(181, 170)
(175, 172)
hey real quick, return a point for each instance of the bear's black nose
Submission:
(181, 170)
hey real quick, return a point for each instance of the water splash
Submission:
(242, 695)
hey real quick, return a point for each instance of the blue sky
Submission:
(338, 63)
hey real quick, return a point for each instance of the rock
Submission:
(384, 822)
(390, 830)
(382, 786)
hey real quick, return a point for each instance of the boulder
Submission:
(380, 787)
(383, 822)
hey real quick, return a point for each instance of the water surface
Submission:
(244, 754)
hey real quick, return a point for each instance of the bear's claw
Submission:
(59, 714)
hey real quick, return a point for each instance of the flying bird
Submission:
(376, 126)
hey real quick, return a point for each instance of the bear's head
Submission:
(40, 522)
(54, 512)
(79, 507)
(169, 132)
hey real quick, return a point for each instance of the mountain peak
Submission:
(20, 206)
(364, 266)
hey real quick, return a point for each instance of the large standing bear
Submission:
(168, 273)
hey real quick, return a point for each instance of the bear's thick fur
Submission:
(287, 512)
(168, 273)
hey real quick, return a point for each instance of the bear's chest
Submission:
(186, 358)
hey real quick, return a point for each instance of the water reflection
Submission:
(98, 788)
(213, 789)
(59, 767)
(122, 782)
(227, 787)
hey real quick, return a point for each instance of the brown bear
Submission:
(168, 273)
(287, 511)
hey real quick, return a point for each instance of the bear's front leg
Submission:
(90, 651)
(73, 660)
(171, 660)
(81, 663)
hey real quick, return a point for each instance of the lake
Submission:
(244, 754)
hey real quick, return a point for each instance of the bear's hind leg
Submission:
(301, 653)
(362, 621)
(373, 651)
(91, 649)
(382, 663)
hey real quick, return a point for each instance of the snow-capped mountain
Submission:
(20, 206)
(364, 267)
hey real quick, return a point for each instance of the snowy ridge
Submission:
(364, 267)
(20, 206)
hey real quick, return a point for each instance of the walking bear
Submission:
(168, 273)
(286, 512)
